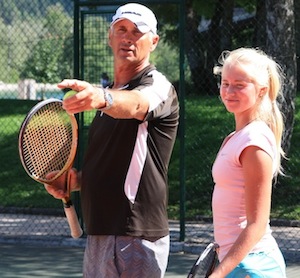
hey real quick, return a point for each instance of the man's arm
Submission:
(122, 104)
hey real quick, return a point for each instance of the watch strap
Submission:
(108, 99)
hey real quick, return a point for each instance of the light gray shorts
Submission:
(125, 256)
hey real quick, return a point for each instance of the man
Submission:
(123, 181)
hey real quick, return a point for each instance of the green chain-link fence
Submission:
(38, 43)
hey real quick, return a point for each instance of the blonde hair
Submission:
(264, 72)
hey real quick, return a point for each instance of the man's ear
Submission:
(155, 40)
(109, 37)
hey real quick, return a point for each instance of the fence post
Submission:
(27, 89)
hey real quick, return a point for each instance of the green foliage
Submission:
(35, 41)
(22, 9)
(43, 63)
(16, 188)
(97, 53)
(206, 8)
(287, 190)
(57, 21)
(166, 59)
(14, 47)
(206, 124)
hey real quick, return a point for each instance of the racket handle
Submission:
(72, 218)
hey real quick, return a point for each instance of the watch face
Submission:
(109, 98)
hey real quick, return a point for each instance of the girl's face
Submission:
(238, 91)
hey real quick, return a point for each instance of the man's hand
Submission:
(88, 97)
(58, 188)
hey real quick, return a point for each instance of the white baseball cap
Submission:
(141, 16)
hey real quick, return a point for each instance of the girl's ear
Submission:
(263, 91)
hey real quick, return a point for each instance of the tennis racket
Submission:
(206, 262)
(47, 143)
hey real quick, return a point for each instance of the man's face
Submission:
(129, 44)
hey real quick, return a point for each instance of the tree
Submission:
(44, 62)
(297, 34)
(280, 29)
(166, 58)
(216, 25)
(96, 53)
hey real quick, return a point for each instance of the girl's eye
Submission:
(237, 86)
(224, 84)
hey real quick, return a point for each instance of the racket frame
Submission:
(213, 246)
(72, 155)
(69, 209)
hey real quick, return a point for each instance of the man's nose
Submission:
(127, 36)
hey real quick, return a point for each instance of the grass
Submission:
(16, 188)
(206, 124)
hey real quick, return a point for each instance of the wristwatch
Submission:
(108, 100)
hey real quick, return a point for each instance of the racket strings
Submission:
(47, 141)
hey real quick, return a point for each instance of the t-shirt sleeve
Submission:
(260, 138)
(161, 95)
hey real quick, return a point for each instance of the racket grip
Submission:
(72, 218)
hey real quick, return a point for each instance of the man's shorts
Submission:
(125, 256)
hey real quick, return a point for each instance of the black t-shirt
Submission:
(124, 175)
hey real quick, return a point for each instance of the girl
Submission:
(247, 162)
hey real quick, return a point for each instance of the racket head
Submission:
(206, 262)
(48, 140)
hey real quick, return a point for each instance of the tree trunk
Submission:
(194, 52)
(260, 25)
(280, 29)
(297, 34)
(226, 28)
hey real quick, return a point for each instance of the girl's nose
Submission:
(230, 89)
